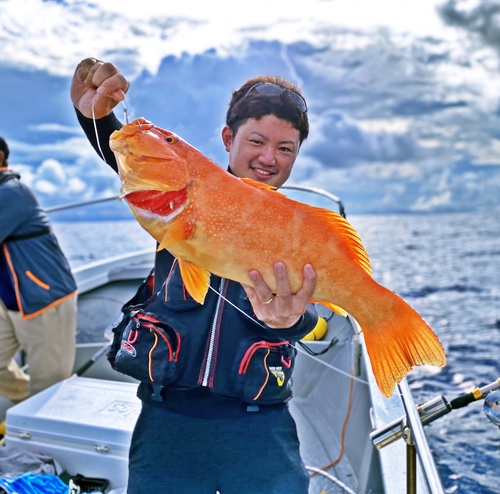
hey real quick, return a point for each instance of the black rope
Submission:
(315, 354)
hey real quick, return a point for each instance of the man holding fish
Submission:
(219, 421)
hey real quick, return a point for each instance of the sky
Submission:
(403, 96)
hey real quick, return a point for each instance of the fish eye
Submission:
(171, 139)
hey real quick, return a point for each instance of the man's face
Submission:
(263, 150)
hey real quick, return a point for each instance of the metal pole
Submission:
(321, 192)
(411, 462)
(418, 437)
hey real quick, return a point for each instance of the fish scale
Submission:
(228, 226)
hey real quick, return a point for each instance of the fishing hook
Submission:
(125, 115)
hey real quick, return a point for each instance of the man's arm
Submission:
(96, 88)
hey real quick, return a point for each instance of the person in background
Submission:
(215, 429)
(37, 293)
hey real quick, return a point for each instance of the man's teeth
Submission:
(262, 172)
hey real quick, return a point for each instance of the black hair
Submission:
(5, 149)
(245, 105)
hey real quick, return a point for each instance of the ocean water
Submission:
(448, 268)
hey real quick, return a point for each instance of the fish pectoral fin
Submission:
(178, 230)
(196, 279)
(332, 307)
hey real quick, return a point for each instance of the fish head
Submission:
(147, 154)
(152, 164)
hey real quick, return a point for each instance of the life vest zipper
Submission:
(213, 333)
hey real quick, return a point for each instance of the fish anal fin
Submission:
(400, 342)
(177, 230)
(195, 278)
(332, 307)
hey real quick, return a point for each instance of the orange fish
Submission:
(214, 222)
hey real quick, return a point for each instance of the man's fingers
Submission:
(114, 86)
(261, 290)
(282, 281)
(309, 283)
(83, 68)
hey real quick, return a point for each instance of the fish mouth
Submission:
(158, 204)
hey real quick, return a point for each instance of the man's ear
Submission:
(2, 158)
(227, 138)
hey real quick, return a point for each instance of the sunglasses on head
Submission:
(271, 89)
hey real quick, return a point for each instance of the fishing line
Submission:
(95, 130)
(296, 347)
(125, 115)
(330, 366)
(237, 308)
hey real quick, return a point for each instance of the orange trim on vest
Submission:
(18, 296)
(3, 168)
(14, 277)
(36, 280)
(53, 304)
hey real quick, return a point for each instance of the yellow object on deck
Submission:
(2, 428)
(318, 332)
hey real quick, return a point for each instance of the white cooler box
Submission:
(85, 424)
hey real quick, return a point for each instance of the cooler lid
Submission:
(78, 409)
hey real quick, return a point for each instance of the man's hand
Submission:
(281, 309)
(98, 83)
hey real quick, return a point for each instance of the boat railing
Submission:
(416, 444)
(71, 205)
(409, 427)
(319, 192)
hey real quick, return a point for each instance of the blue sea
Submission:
(447, 266)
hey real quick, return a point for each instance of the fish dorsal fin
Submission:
(332, 307)
(351, 240)
(177, 230)
(347, 233)
(260, 185)
(196, 279)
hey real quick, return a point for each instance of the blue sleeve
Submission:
(15, 210)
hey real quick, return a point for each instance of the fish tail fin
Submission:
(400, 342)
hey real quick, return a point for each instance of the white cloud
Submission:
(430, 203)
(391, 126)
(52, 171)
(53, 127)
(45, 187)
(76, 185)
(54, 36)
(486, 154)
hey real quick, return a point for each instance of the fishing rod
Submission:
(63, 207)
(438, 407)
